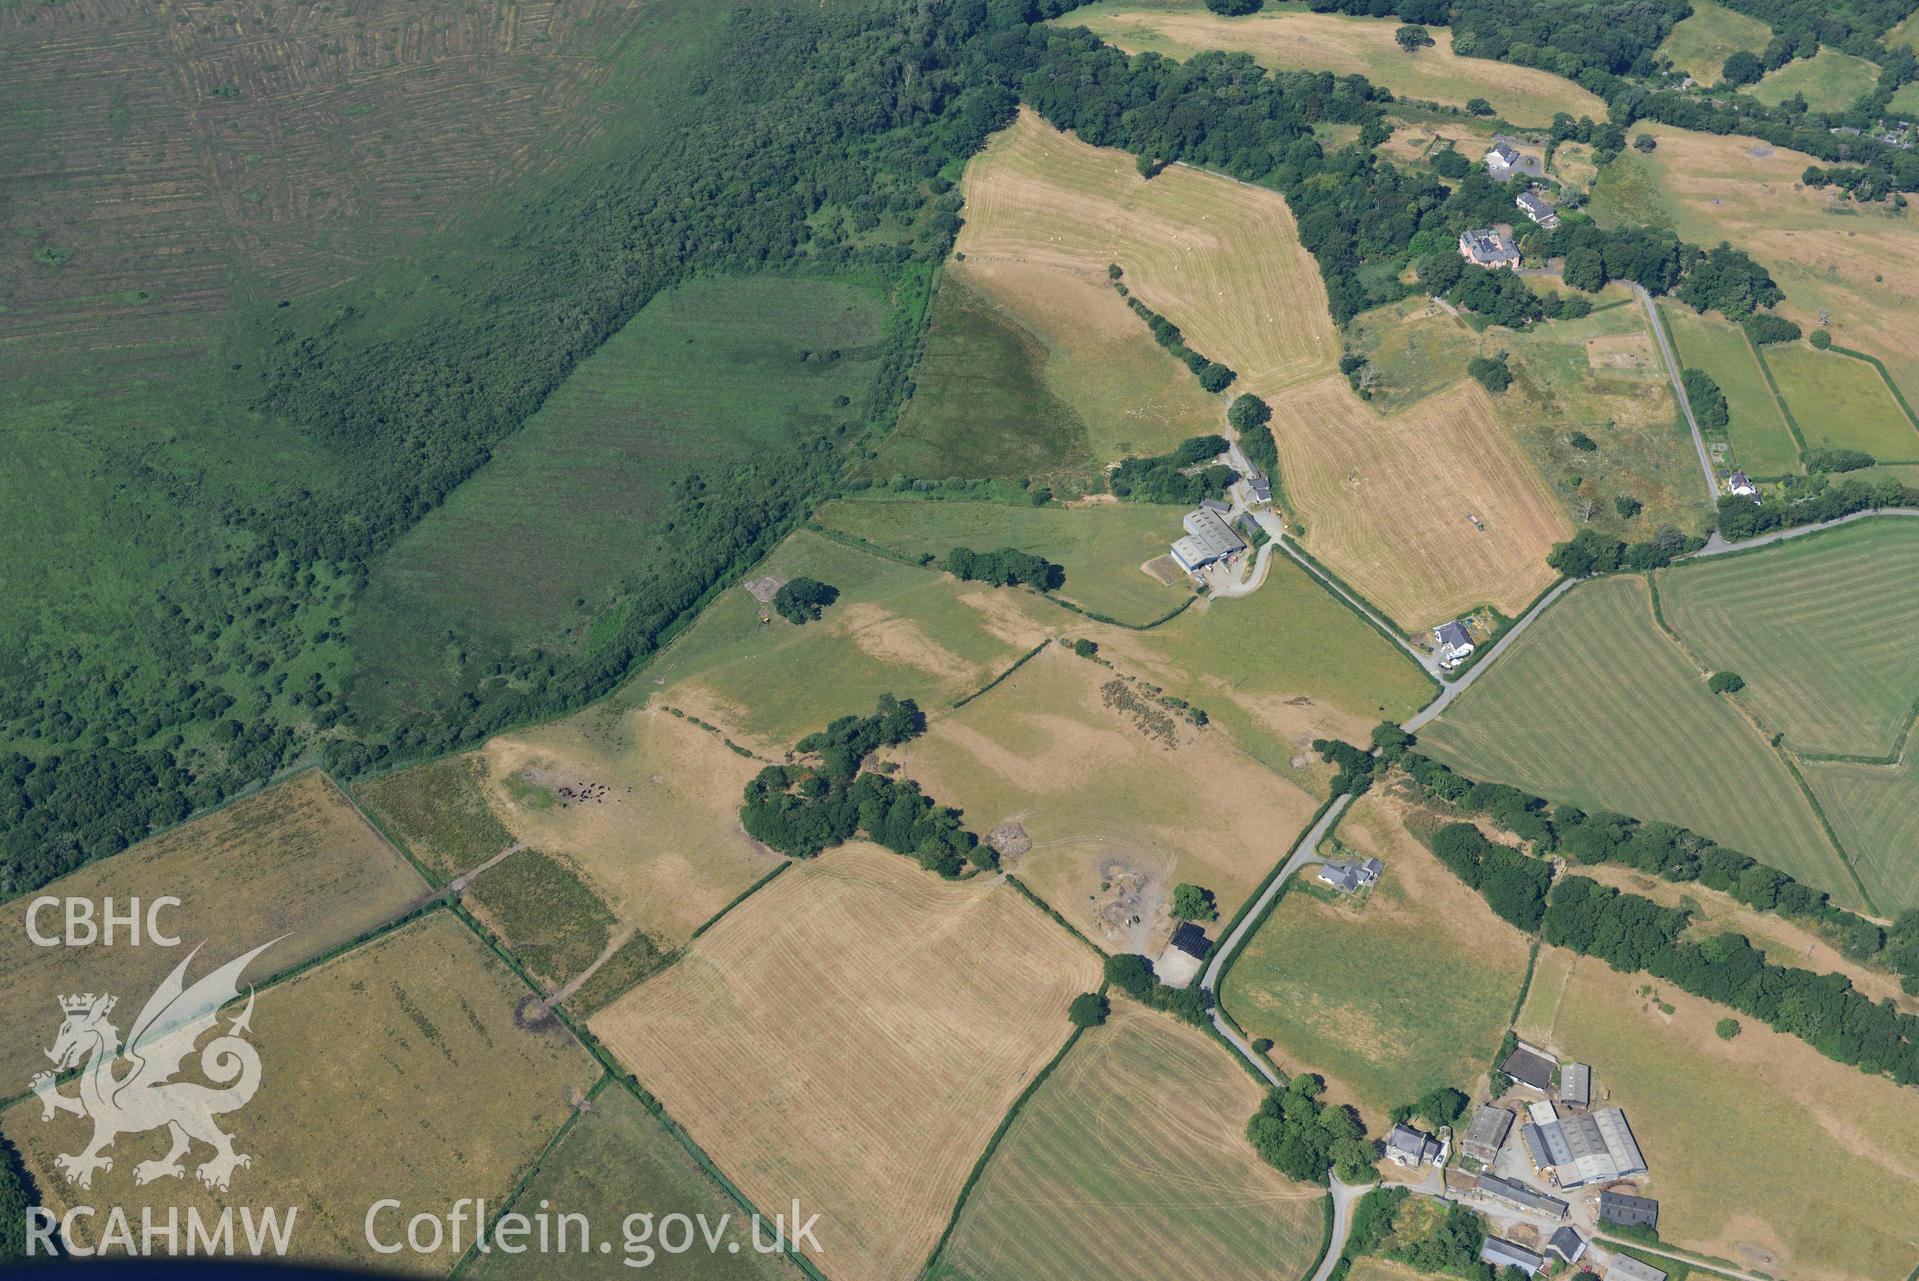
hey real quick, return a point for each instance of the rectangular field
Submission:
(401, 1069)
(616, 1160)
(1842, 403)
(1122, 798)
(1714, 1117)
(896, 628)
(1761, 442)
(439, 812)
(1101, 546)
(852, 1035)
(1596, 706)
(1820, 627)
(1875, 810)
(1174, 1190)
(1291, 40)
(296, 860)
(1408, 993)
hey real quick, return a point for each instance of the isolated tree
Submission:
(1820, 339)
(1645, 142)
(1627, 506)
(1726, 683)
(1194, 903)
(1451, 163)
(1491, 372)
(1088, 1009)
(802, 599)
(1742, 68)
(1412, 38)
(1479, 106)
(1442, 1106)
(1085, 648)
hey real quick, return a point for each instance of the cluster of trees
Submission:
(1303, 1138)
(1356, 768)
(1450, 1248)
(1723, 279)
(1824, 1010)
(1666, 850)
(1513, 884)
(1437, 1107)
(1006, 567)
(802, 599)
(1501, 296)
(1491, 372)
(1133, 974)
(1836, 460)
(1194, 903)
(1764, 327)
(1163, 478)
(1590, 552)
(1816, 498)
(1250, 417)
(1707, 401)
(1212, 375)
(1864, 184)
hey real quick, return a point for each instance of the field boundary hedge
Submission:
(1018, 663)
(1772, 383)
(1032, 897)
(736, 900)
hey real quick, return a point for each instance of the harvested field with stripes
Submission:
(1292, 40)
(1596, 705)
(1131, 1162)
(852, 1035)
(1875, 810)
(296, 860)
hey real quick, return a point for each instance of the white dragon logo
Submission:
(144, 1096)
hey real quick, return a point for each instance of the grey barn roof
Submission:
(1530, 1067)
(1628, 1211)
(1567, 1244)
(1488, 1130)
(1626, 1268)
(1522, 1196)
(1504, 1254)
(1576, 1084)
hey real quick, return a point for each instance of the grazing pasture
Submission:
(400, 1069)
(1761, 442)
(896, 628)
(614, 1161)
(1101, 546)
(1597, 706)
(1858, 263)
(852, 1035)
(1131, 1162)
(296, 862)
(1122, 797)
(439, 813)
(1700, 44)
(1829, 81)
(1875, 810)
(1842, 403)
(1821, 628)
(643, 806)
(1315, 977)
(1292, 40)
(1713, 1116)
(1387, 501)
(704, 376)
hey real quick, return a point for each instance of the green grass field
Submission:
(1875, 809)
(895, 629)
(1842, 403)
(615, 1161)
(1456, 972)
(1597, 706)
(1830, 81)
(1820, 627)
(704, 376)
(1761, 441)
(1289, 38)
(1101, 546)
(1699, 45)
(438, 811)
(980, 406)
(1130, 1164)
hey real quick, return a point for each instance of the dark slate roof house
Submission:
(1567, 1244)
(1628, 1211)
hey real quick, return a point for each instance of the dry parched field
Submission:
(1132, 1162)
(297, 860)
(1291, 40)
(1763, 1152)
(397, 1070)
(1384, 500)
(852, 1035)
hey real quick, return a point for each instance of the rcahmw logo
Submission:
(132, 1090)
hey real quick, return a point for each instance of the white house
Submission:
(1501, 161)
(1741, 484)
(1455, 644)
(1538, 208)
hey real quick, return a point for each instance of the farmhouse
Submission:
(1567, 1244)
(1741, 484)
(1576, 1085)
(1628, 1211)
(1504, 1254)
(1538, 208)
(1625, 1268)
(1208, 538)
(1593, 1147)
(1349, 875)
(1501, 162)
(1487, 1132)
(1185, 953)
(1529, 1066)
(1409, 1147)
(1261, 487)
(1455, 644)
(1521, 1197)
(1488, 247)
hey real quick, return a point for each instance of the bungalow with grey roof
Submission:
(1454, 643)
(1349, 875)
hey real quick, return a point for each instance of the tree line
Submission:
(1212, 374)
(1164, 478)
(1006, 567)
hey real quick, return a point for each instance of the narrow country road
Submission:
(1458, 687)
(1679, 391)
(1719, 546)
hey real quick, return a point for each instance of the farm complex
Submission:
(938, 640)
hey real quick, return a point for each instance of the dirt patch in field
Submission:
(1007, 615)
(1620, 351)
(894, 638)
